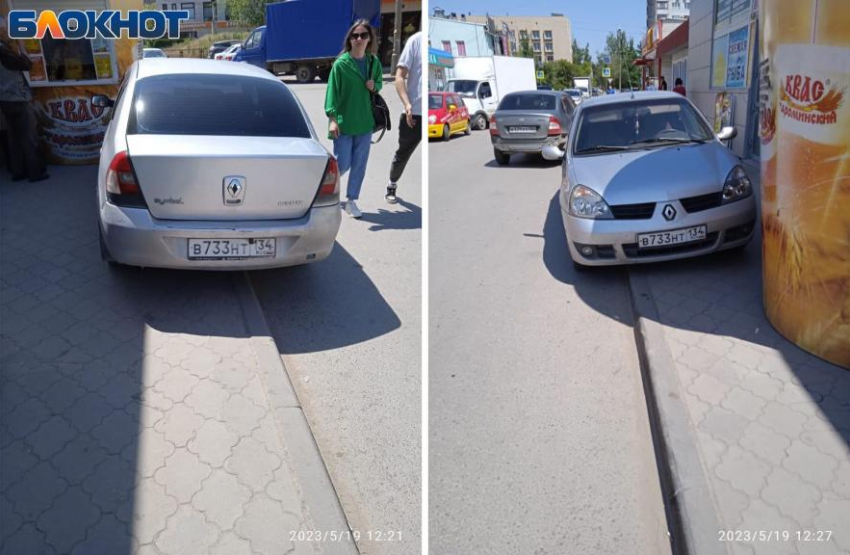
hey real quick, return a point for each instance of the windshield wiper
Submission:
(602, 148)
(666, 140)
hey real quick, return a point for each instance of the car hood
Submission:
(656, 174)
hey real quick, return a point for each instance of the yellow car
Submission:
(447, 115)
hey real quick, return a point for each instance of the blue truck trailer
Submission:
(304, 37)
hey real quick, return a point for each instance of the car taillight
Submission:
(329, 187)
(122, 187)
(493, 129)
(554, 126)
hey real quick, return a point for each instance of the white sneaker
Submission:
(351, 208)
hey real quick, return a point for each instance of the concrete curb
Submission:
(319, 495)
(691, 513)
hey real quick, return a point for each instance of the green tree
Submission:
(623, 54)
(525, 50)
(581, 56)
(559, 74)
(250, 12)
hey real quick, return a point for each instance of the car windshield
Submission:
(574, 93)
(435, 101)
(638, 125)
(154, 54)
(528, 101)
(224, 105)
(463, 88)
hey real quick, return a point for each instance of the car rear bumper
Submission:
(615, 241)
(511, 146)
(134, 237)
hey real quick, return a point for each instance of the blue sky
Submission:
(591, 20)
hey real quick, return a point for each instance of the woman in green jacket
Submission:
(348, 105)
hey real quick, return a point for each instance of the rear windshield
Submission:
(526, 101)
(435, 102)
(224, 105)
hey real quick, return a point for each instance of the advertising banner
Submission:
(66, 73)
(739, 49)
(719, 54)
(805, 144)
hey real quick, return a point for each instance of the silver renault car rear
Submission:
(645, 179)
(212, 166)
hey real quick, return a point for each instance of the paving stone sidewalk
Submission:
(134, 415)
(770, 422)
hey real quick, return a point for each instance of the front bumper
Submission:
(435, 130)
(615, 241)
(512, 146)
(134, 237)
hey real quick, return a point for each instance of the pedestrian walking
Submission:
(408, 76)
(680, 87)
(355, 75)
(15, 97)
(663, 86)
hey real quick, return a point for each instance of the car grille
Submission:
(633, 211)
(631, 249)
(702, 202)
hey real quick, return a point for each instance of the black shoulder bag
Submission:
(380, 110)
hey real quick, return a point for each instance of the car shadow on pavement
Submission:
(410, 218)
(594, 285)
(323, 306)
(107, 378)
(718, 294)
(525, 162)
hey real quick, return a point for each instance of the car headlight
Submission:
(737, 185)
(587, 203)
(432, 119)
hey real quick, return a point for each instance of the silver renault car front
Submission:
(212, 166)
(645, 179)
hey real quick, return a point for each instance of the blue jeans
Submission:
(352, 152)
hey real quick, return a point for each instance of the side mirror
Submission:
(551, 152)
(452, 108)
(727, 134)
(102, 101)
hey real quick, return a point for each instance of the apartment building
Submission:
(666, 9)
(550, 37)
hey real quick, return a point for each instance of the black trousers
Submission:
(23, 143)
(408, 140)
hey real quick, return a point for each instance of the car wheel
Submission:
(447, 133)
(305, 73)
(481, 122)
(468, 129)
(502, 158)
(325, 74)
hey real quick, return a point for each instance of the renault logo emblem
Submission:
(669, 212)
(234, 190)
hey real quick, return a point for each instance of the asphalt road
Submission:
(539, 439)
(349, 331)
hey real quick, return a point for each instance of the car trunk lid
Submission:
(227, 178)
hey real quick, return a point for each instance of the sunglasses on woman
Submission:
(361, 36)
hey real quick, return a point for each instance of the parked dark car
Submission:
(527, 121)
(221, 46)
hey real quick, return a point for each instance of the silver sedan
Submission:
(645, 179)
(212, 166)
(527, 121)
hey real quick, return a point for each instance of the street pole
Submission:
(620, 59)
(396, 35)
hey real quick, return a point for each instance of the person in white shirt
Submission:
(408, 76)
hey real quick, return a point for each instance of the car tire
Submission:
(502, 158)
(481, 122)
(468, 129)
(305, 73)
(447, 132)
